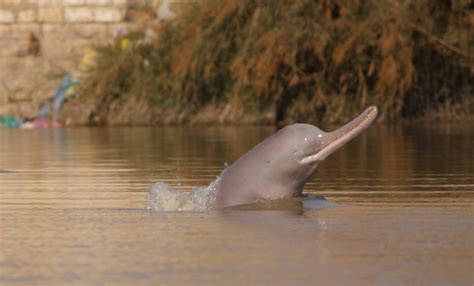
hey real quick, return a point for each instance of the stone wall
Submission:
(42, 40)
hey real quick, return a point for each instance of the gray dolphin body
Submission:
(279, 166)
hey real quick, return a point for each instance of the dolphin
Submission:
(279, 166)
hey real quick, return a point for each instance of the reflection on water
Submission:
(73, 210)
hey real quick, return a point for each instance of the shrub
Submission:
(281, 61)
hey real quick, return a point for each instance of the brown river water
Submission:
(73, 210)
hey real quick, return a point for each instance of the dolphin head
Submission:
(321, 144)
(306, 146)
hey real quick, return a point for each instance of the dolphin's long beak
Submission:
(342, 135)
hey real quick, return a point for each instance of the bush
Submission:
(280, 61)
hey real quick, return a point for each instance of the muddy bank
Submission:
(133, 111)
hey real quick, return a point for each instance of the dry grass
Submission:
(280, 61)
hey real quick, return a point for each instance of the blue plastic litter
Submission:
(67, 84)
(66, 88)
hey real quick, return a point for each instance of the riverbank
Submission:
(277, 62)
(255, 62)
(132, 113)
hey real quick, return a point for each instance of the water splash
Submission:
(162, 197)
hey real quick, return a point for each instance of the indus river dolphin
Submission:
(279, 166)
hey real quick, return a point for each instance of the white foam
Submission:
(162, 197)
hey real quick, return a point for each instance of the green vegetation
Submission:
(280, 61)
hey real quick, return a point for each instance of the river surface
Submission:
(73, 210)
